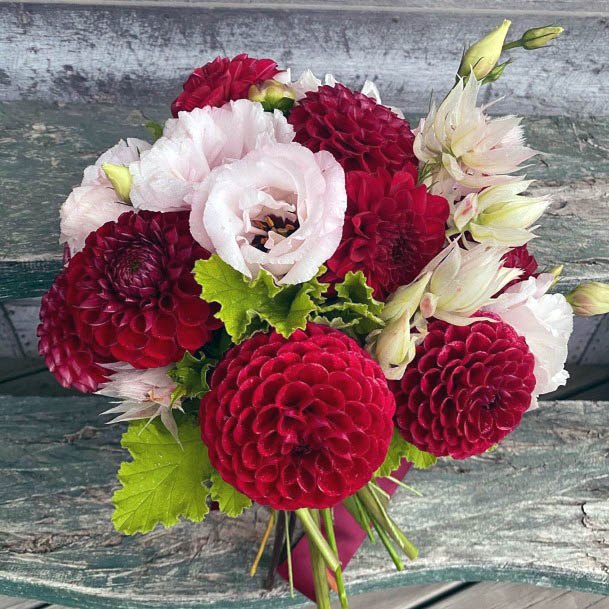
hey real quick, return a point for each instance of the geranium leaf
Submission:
(165, 480)
(247, 306)
(230, 500)
(354, 305)
(401, 449)
(190, 375)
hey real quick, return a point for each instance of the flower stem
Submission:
(397, 561)
(356, 509)
(288, 546)
(327, 518)
(311, 526)
(276, 555)
(405, 486)
(374, 506)
(265, 538)
(318, 563)
(511, 45)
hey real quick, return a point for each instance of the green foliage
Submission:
(401, 449)
(230, 500)
(155, 129)
(190, 374)
(248, 306)
(165, 480)
(354, 307)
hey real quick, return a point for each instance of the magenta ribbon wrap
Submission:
(349, 537)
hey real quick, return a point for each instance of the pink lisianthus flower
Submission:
(95, 201)
(546, 323)
(195, 143)
(280, 208)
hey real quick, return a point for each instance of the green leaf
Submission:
(401, 449)
(165, 480)
(247, 306)
(354, 305)
(190, 374)
(155, 129)
(230, 500)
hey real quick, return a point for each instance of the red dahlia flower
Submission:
(359, 132)
(298, 422)
(222, 80)
(467, 388)
(68, 353)
(392, 229)
(520, 258)
(132, 285)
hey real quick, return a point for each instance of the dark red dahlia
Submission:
(360, 133)
(69, 354)
(392, 229)
(298, 422)
(132, 285)
(467, 388)
(222, 80)
(520, 258)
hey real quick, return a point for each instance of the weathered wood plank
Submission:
(516, 596)
(143, 53)
(44, 149)
(6, 602)
(57, 543)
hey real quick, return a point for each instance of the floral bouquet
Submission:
(294, 296)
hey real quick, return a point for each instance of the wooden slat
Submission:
(515, 596)
(45, 148)
(143, 53)
(536, 510)
(7, 602)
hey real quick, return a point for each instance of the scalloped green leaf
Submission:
(248, 306)
(400, 449)
(230, 500)
(165, 481)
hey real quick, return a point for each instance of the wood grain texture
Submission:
(65, 52)
(58, 464)
(514, 596)
(45, 147)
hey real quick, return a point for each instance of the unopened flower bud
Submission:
(273, 95)
(589, 299)
(496, 72)
(483, 56)
(405, 298)
(540, 37)
(120, 178)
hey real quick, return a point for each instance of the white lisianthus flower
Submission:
(144, 394)
(195, 143)
(545, 321)
(280, 208)
(499, 215)
(95, 201)
(464, 149)
(462, 281)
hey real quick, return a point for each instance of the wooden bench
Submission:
(83, 75)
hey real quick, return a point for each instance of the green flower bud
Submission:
(120, 178)
(496, 72)
(540, 36)
(589, 299)
(483, 56)
(273, 95)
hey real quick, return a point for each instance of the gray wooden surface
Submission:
(44, 149)
(144, 49)
(536, 510)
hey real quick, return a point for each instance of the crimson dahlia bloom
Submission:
(69, 354)
(132, 289)
(520, 258)
(359, 132)
(392, 229)
(466, 389)
(222, 80)
(298, 422)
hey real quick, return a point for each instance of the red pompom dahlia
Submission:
(132, 286)
(467, 388)
(222, 80)
(359, 132)
(520, 258)
(392, 229)
(298, 422)
(68, 354)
